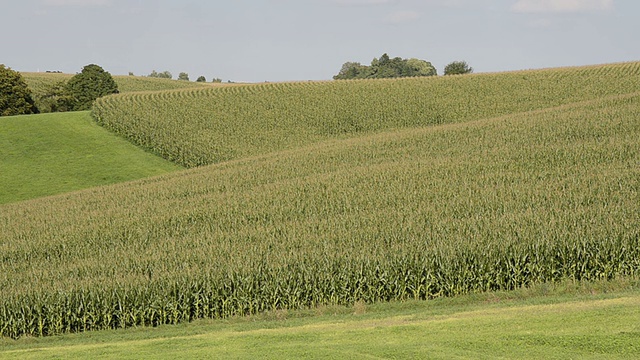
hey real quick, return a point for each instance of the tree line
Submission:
(74, 95)
(386, 67)
(77, 94)
(182, 76)
(93, 82)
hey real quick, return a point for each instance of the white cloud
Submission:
(76, 2)
(561, 6)
(401, 17)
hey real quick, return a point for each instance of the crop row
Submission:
(417, 213)
(204, 126)
(423, 274)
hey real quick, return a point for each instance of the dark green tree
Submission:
(458, 68)
(417, 67)
(93, 82)
(201, 79)
(183, 76)
(386, 67)
(55, 98)
(15, 96)
(353, 70)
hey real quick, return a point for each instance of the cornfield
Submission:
(449, 197)
(203, 126)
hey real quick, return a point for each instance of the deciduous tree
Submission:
(15, 96)
(458, 68)
(386, 67)
(162, 75)
(93, 82)
(353, 70)
(417, 67)
(55, 98)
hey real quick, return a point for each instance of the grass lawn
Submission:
(49, 154)
(562, 321)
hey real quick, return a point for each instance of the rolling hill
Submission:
(333, 193)
(203, 126)
(41, 83)
(38, 82)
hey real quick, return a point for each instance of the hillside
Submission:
(50, 154)
(40, 83)
(495, 189)
(204, 126)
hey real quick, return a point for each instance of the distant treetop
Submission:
(458, 68)
(15, 96)
(162, 75)
(386, 67)
(93, 82)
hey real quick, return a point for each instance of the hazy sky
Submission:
(278, 40)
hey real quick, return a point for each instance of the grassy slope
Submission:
(589, 321)
(54, 153)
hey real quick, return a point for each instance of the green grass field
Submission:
(50, 154)
(554, 321)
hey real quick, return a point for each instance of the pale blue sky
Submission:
(280, 40)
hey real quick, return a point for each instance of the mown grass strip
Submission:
(565, 320)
